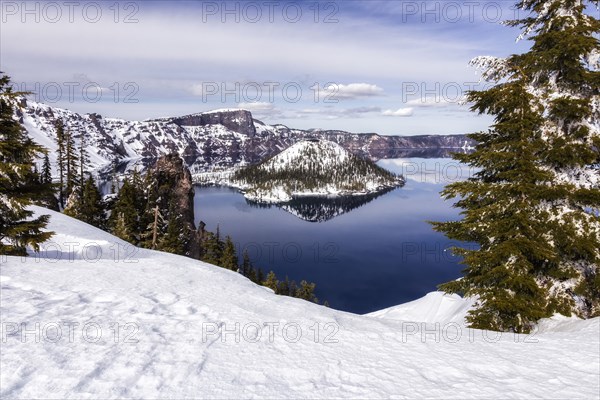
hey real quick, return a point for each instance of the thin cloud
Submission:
(351, 90)
(401, 112)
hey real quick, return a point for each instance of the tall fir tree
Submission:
(18, 227)
(60, 160)
(533, 207)
(229, 257)
(271, 282)
(86, 204)
(174, 239)
(71, 163)
(246, 265)
(46, 174)
(125, 218)
(213, 249)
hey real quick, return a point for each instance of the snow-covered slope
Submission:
(312, 168)
(226, 136)
(187, 329)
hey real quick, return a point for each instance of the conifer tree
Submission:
(124, 219)
(172, 241)
(17, 182)
(284, 287)
(271, 282)
(260, 276)
(229, 258)
(46, 174)
(306, 291)
(532, 208)
(213, 252)
(121, 230)
(246, 266)
(84, 160)
(86, 204)
(60, 159)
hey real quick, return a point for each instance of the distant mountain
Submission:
(312, 168)
(228, 136)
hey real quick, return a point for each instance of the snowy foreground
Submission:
(129, 323)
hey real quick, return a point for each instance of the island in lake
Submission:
(310, 168)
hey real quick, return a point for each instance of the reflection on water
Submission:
(321, 208)
(365, 255)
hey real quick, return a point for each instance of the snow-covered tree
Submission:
(19, 184)
(533, 208)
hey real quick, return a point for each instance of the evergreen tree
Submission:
(284, 287)
(60, 159)
(86, 204)
(84, 160)
(246, 266)
(17, 182)
(306, 291)
(260, 276)
(46, 171)
(271, 282)
(213, 252)
(124, 221)
(532, 208)
(71, 162)
(121, 229)
(229, 258)
(173, 240)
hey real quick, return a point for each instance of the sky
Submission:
(390, 67)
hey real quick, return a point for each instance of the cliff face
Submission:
(239, 121)
(230, 135)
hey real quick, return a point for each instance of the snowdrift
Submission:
(92, 317)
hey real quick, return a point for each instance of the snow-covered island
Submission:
(91, 316)
(309, 168)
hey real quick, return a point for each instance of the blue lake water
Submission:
(371, 256)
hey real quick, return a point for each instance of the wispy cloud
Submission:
(401, 112)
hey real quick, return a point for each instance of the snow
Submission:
(173, 313)
(313, 155)
(435, 307)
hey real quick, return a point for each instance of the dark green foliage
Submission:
(246, 266)
(213, 249)
(306, 291)
(535, 225)
(229, 257)
(86, 204)
(60, 160)
(173, 240)
(46, 174)
(271, 282)
(125, 216)
(47, 197)
(19, 184)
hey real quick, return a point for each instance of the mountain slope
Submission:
(313, 168)
(170, 310)
(220, 136)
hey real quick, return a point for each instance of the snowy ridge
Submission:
(172, 314)
(218, 134)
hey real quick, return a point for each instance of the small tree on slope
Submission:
(533, 208)
(18, 186)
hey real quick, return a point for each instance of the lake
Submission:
(364, 254)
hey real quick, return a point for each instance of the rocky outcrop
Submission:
(239, 121)
(173, 185)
